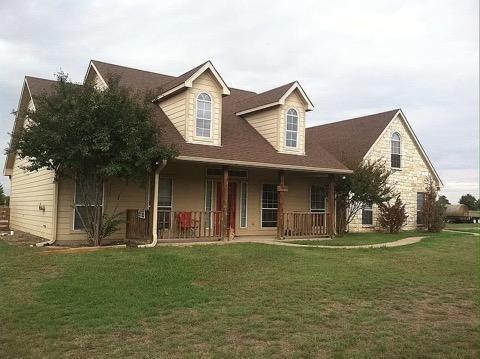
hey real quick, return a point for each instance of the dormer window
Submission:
(204, 116)
(395, 149)
(291, 135)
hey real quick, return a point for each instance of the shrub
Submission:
(433, 214)
(392, 217)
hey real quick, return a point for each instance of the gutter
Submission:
(153, 203)
(54, 217)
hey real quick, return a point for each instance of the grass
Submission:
(354, 239)
(247, 300)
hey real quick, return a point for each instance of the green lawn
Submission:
(355, 239)
(248, 300)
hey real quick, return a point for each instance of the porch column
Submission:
(331, 206)
(281, 203)
(154, 204)
(225, 234)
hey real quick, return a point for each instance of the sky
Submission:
(353, 58)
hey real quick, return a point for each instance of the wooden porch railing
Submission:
(304, 224)
(4, 218)
(138, 224)
(175, 224)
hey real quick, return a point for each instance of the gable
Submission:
(415, 162)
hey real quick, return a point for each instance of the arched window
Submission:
(204, 116)
(291, 134)
(395, 149)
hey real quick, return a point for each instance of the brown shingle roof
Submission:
(240, 141)
(138, 79)
(39, 86)
(180, 79)
(264, 98)
(350, 140)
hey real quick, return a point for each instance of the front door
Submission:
(232, 204)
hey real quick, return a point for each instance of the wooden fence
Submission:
(175, 224)
(304, 224)
(4, 218)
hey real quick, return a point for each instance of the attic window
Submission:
(291, 135)
(395, 149)
(204, 116)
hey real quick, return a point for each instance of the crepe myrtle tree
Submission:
(92, 135)
(368, 184)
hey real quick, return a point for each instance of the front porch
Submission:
(202, 202)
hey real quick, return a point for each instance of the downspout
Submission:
(153, 206)
(54, 216)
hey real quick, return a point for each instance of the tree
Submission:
(89, 135)
(433, 213)
(367, 184)
(468, 200)
(443, 200)
(3, 198)
(392, 217)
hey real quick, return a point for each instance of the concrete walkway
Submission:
(263, 240)
(463, 232)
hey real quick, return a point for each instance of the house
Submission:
(247, 164)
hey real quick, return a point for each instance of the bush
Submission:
(433, 214)
(392, 217)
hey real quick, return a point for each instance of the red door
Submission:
(232, 203)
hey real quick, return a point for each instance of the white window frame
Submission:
(165, 208)
(262, 208)
(242, 193)
(83, 205)
(297, 116)
(399, 149)
(198, 118)
(367, 208)
(314, 210)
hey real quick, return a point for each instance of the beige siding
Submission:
(266, 122)
(408, 180)
(271, 123)
(293, 101)
(175, 108)
(93, 77)
(206, 82)
(189, 186)
(29, 190)
(119, 196)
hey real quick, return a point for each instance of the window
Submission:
(84, 204)
(395, 149)
(292, 128)
(204, 116)
(420, 204)
(209, 202)
(367, 214)
(269, 205)
(164, 202)
(243, 205)
(317, 198)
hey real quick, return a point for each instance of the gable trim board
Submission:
(91, 66)
(188, 83)
(8, 169)
(416, 141)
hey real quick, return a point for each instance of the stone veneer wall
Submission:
(407, 181)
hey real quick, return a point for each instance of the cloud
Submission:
(353, 58)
